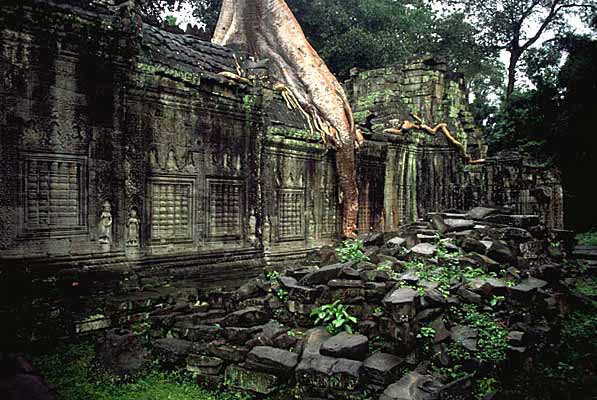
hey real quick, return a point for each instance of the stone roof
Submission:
(178, 51)
(185, 52)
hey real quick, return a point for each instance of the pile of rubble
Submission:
(433, 311)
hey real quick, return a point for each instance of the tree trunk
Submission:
(514, 57)
(268, 29)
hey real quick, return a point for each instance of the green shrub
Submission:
(335, 317)
(351, 250)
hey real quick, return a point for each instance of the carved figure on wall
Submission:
(105, 224)
(189, 164)
(171, 164)
(238, 164)
(253, 230)
(133, 226)
(267, 230)
(32, 136)
(153, 159)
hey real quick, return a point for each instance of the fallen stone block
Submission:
(382, 368)
(259, 382)
(323, 275)
(271, 360)
(345, 345)
(204, 365)
(424, 250)
(413, 386)
(172, 351)
(329, 373)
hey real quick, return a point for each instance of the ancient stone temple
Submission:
(128, 162)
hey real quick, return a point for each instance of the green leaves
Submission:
(334, 316)
(351, 250)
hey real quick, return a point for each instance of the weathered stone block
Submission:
(258, 382)
(345, 345)
(329, 373)
(413, 386)
(272, 360)
(323, 275)
(382, 368)
(204, 365)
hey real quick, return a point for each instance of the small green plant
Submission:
(458, 353)
(443, 253)
(588, 238)
(170, 20)
(282, 294)
(495, 300)
(335, 316)
(587, 286)
(485, 386)
(450, 374)
(351, 250)
(272, 275)
(427, 334)
(378, 310)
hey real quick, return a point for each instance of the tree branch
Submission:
(553, 12)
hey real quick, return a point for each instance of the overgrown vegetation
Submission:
(588, 238)
(71, 370)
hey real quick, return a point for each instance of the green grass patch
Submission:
(72, 372)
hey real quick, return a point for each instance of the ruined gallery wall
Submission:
(133, 173)
(423, 172)
(119, 171)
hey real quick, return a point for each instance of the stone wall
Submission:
(423, 172)
(133, 172)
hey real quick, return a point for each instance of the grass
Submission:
(72, 373)
(588, 238)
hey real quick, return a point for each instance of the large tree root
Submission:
(268, 29)
(443, 128)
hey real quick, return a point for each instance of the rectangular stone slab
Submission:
(258, 382)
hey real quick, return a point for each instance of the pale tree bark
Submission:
(268, 29)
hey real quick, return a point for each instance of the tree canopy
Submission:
(517, 25)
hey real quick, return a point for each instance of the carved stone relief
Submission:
(133, 228)
(104, 233)
(53, 194)
(53, 135)
(225, 208)
(329, 203)
(291, 199)
(171, 209)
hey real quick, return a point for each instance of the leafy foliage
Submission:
(351, 250)
(516, 25)
(493, 336)
(335, 316)
(588, 238)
